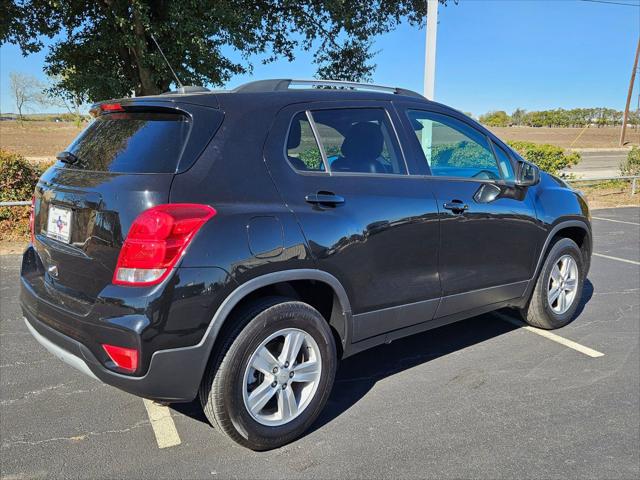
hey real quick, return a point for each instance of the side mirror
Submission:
(528, 174)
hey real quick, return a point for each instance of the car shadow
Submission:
(587, 293)
(357, 375)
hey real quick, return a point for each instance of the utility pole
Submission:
(430, 50)
(625, 117)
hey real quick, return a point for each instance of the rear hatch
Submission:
(122, 164)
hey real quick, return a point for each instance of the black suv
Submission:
(235, 245)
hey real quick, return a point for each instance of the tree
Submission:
(495, 119)
(71, 101)
(26, 90)
(107, 44)
(518, 116)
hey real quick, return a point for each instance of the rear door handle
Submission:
(324, 198)
(456, 206)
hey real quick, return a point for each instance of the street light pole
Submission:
(430, 50)
(429, 74)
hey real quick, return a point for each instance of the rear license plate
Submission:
(59, 223)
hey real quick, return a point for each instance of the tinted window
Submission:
(132, 143)
(452, 148)
(358, 140)
(303, 152)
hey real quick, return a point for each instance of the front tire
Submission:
(558, 290)
(272, 378)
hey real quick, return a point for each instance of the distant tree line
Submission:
(575, 117)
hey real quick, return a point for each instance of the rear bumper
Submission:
(173, 375)
(166, 324)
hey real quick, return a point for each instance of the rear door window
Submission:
(358, 140)
(136, 142)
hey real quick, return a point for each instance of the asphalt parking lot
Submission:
(483, 398)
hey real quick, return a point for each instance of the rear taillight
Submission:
(32, 219)
(124, 358)
(156, 241)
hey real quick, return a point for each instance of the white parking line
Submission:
(632, 262)
(616, 221)
(162, 424)
(590, 352)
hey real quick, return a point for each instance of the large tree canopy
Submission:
(103, 48)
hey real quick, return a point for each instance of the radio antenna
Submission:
(167, 62)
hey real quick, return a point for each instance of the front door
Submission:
(367, 222)
(488, 227)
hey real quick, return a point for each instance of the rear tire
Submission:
(231, 389)
(558, 289)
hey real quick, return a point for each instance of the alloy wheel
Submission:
(563, 284)
(281, 377)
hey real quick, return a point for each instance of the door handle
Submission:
(456, 206)
(324, 198)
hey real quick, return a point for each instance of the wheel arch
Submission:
(294, 284)
(577, 230)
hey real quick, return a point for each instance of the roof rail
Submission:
(282, 84)
(187, 89)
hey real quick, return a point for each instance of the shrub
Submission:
(461, 155)
(549, 158)
(312, 157)
(631, 166)
(18, 179)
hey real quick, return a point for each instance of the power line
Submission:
(613, 3)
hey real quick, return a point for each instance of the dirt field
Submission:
(606, 137)
(37, 139)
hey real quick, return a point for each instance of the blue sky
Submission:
(492, 55)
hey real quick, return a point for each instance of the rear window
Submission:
(132, 143)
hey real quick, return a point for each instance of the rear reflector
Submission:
(156, 241)
(125, 358)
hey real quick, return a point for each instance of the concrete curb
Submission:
(600, 149)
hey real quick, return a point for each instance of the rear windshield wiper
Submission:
(67, 157)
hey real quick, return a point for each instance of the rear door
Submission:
(120, 165)
(488, 230)
(340, 169)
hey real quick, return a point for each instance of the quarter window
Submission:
(303, 152)
(358, 140)
(506, 169)
(452, 148)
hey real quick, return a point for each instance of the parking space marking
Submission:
(163, 426)
(632, 262)
(616, 221)
(590, 352)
